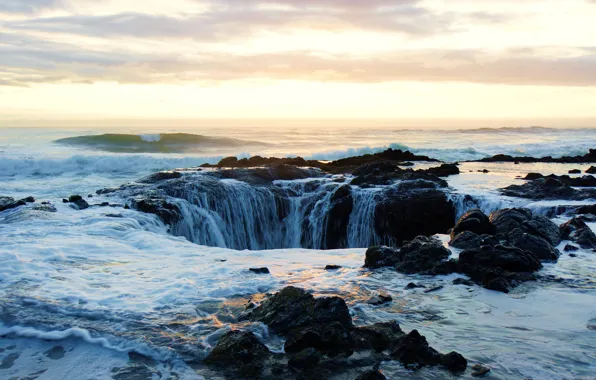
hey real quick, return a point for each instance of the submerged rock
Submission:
(260, 270)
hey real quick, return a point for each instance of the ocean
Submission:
(80, 290)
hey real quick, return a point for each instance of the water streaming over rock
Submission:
(289, 214)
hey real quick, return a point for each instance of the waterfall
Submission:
(287, 214)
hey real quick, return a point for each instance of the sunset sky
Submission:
(386, 59)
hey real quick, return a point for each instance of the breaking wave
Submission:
(155, 143)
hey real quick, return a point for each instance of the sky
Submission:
(297, 59)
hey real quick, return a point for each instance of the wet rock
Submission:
(462, 281)
(548, 188)
(7, 203)
(570, 248)
(333, 267)
(575, 171)
(508, 219)
(543, 227)
(78, 201)
(378, 337)
(412, 285)
(474, 221)
(591, 170)
(445, 170)
(479, 370)
(29, 199)
(404, 213)
(260, 270)
(239, 350)
(589, 157)
(434, 289)
(161, 176)
(454, 362)
(114, 216)
(414, 352)
(380, 299)
(371, 375)
(381, 256)
(375, 169)
(572, 255)
(533, 176)
(499, 267)
(466, 240)
(340, 210)
(167, 212)
(538, 246)
(307, 358)
(332, 339)
(45, 208)
(421, 255)
(579, 232)
(292, 308)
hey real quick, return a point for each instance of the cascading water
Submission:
(287, 214)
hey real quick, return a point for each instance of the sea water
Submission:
(80, 290)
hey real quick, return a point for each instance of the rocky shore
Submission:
(265, 203)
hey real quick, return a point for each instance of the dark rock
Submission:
(380, 299)
(292, 308)
(572, 255)
(548, 188)
(579, 232)
(591, 170)
(375, 168)
(474, 221)
(167, 212)
(543, 227)
(340, 210)
(479, 370)
(378, 337)
(7, 203)
(589, 157)
(445, 170)
(228, 162)
(114, 215)
(570, 248)
(421, 255)
(538, 246)
(29, 200)
(575, 171)
(74, 198)
(371, 375)
(533, 176)
(466, 240)
(161, 176)
(381, 256)
(403, 213)
(332, 339)
(454, 362)
(434, 289)
(414, 352)
(498, 267)
(260, 270)
(462, 281)
(307, 358)
(332, 267)
(45, 208)
(508, 219)
(240, 351)
(412, 285)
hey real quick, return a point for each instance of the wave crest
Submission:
(154, 143)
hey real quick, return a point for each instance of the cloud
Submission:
(27, 6)
(32, 61)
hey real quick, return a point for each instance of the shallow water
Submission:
(79, 290)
